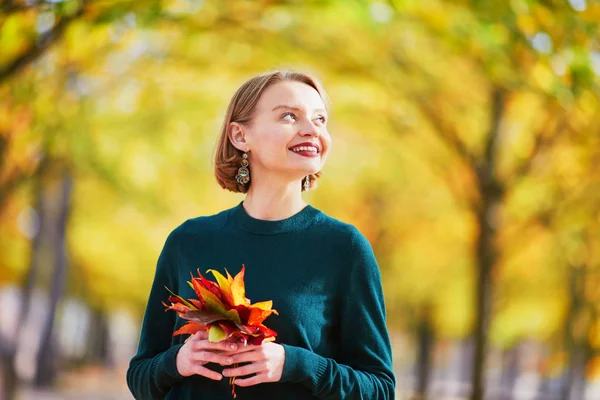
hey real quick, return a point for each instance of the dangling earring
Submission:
(243, 175)
(307, 183)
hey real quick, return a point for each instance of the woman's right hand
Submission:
(198, 351)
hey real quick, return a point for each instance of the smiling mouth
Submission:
(305, 149)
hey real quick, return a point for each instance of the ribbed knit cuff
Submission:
(165, 368)
(304, 366)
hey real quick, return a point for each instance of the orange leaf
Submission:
(257, 316)
(238, 290)
(214, 304)
(190, 328)
(180, 308)
(196, 285)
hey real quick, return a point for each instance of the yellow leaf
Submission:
(229, 278)
(216, 333)
(223, 283)
(264, 305)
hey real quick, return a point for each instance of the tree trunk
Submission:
(47, 355)
(510, 371)
(569, 341)
(10, 377)
(98, 346)
(425, 339)
(491, 193)
(485, 261)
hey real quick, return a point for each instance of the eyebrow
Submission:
(295, 108)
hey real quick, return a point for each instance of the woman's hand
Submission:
(198, 351)
(266, 361)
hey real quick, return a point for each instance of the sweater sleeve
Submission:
(362, 368)
(153, 370)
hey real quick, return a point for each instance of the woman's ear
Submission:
(237, 136)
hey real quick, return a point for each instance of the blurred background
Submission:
(466, 147)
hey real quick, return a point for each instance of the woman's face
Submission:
(288, 132)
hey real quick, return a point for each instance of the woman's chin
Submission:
(312, 167)
(298, 171)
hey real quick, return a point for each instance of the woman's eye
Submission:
(288, 114)
(323, 118)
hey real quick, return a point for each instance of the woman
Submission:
(321, 273)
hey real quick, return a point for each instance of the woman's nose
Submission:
(309, 129)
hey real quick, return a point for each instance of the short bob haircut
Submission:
(241, 107)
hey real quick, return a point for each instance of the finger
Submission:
(254, 368)
(197, 336)
(205, 356)
(200, 370)
(208, 345)
(233, 339)
(224, 345)
(233, 352)
(243, 349)
(254, 380)
(248, 356)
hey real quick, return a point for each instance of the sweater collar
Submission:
(241, 219)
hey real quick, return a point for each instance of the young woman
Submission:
(332, 341)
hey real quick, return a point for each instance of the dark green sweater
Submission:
(325, 283)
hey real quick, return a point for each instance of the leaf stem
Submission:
(232, 382)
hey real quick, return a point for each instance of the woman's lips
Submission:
(306, 153)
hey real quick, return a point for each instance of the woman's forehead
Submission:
(290, 94)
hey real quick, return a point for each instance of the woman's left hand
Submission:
(266, 361)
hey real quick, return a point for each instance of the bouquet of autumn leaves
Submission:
(223, 310)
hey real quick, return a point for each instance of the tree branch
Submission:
(43, 43)
(564, 201)
(542, 142)
(446, 133)
(462, 195)
(8, 7)
(490, 148)
(15, 179)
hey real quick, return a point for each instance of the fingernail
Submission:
(229, 360)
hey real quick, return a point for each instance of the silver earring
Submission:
(243, 175)
(307, 183)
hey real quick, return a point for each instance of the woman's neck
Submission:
(272, 201)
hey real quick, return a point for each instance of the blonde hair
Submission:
(228, 159)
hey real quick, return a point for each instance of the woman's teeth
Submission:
(304, 148)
